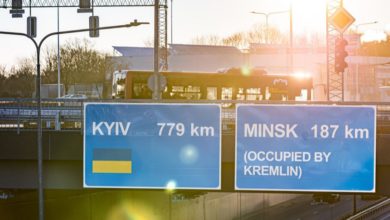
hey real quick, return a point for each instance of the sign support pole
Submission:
(156, 83)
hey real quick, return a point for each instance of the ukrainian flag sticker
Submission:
(111, 160)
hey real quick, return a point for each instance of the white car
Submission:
(74, 96)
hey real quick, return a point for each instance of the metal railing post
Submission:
(18, 117)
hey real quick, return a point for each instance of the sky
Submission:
(191, 19)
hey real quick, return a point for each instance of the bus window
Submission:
(118, 85)
(141, 91)
(120, 89)
(176, 92)
(227, 94)
(185, 92)
(267, 93)
(212, 93)
(240, 94)
(303, 96)
(253, 94)
(137, 89)
(192, 92)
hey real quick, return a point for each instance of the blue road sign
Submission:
(152, 146)
(305, 148)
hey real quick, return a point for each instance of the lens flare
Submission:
(372, 35)
(387, 29)
(302, 75)
(171, 185)
(246, 71)
(130, 210)
(189, 154)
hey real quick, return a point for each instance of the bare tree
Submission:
(237, 40)
(3, 72)
(19, 81)
(208, 40)
(149, 43)
(80, 63)
(258, 34)
(3, 79)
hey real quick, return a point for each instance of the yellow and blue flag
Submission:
(109, 160)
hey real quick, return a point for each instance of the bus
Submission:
(232, 84)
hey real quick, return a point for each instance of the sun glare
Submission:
(372, 35)
(171, 186)
(308, 15)
(387, 28)
(245, 70)
(302, 75)
(133, 210)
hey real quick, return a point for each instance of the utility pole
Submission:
(156, 75)
(38, 46)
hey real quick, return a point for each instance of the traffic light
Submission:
(340, 55)
(17, 9)
(85, 6)
(32, 26)
(93, 24)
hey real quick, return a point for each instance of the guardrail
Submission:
(373, 211)
(22, 114)
(67, 114)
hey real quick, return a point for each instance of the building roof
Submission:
(177, 49)
(134, 51)
(186, 49)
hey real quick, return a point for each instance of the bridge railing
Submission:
(373, 212)
(56, 114)
(67, 114)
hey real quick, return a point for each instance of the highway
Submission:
(385, 216)
(63, 153)
(304, 208)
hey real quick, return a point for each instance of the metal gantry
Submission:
(335, 90)
(75, 3)
(162, 24)
(163, 36)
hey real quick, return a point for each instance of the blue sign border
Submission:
(291, 189)
(218, 187)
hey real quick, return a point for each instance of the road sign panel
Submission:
(341, 19)
(305, 148)
(152, 146)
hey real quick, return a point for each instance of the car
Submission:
(72, 99)
(74, 96)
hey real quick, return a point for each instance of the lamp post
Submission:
(290, 11)
(38, 46)
(362, 24)
(171, 22)
(357, 95)
(267, 19)
(58, 52)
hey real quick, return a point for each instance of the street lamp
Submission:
(266, 19)
(58, 52)
(290, 11)
(38, 95)
(362, 24)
